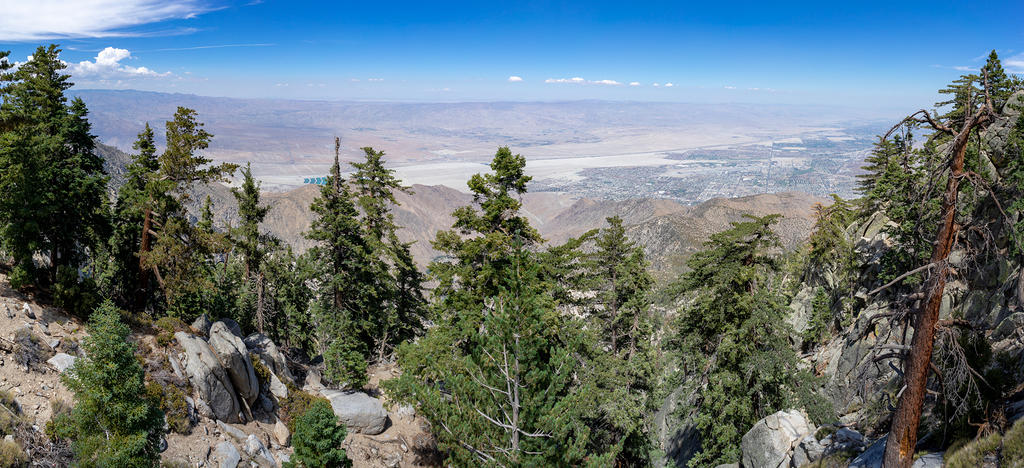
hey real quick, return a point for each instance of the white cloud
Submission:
(656, 85)
(729, 87)
(1015, 64)
(634, 83)
(515, 79)
(375, 79)
(669, 85)
(107, 64)
(576, 80)
(55, 19)
(579, 80)
(962, 68)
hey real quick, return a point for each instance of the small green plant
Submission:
(172, 402)
(20, 277)
(297, 403)
(166, 327)
(262, 372)
(317, 439)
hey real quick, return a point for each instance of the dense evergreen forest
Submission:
(518, 352)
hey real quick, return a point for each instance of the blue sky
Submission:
(886, 54)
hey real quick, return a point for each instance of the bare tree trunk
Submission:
(899, 448)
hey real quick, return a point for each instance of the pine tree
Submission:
(254, 246)
(290, 324)
(182, 255)
(501, 397)
(507, 377)
(478, 251)
(732, 339)
(54, 188)
(114, 422)
(399, 306)
(345, 281)
(120, 271)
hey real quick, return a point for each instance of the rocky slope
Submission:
(858, 365)
(234, 414)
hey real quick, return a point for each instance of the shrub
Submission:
(296, 404)
(317, 439)
(28, 350)
(11, 455)
(76, 295)
(173, 404)
(12, 417)
(166, 326)
(20, 277)
(346, 366)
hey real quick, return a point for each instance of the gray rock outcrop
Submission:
(358, 411)
(771, 441)
(62, 361)
(268, 352)
(259, 452)
(227, 454)
(208, 377)
(234, 356)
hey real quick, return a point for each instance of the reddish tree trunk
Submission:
(899, 448)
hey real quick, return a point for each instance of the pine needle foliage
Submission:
(732, 339)
(114, 422)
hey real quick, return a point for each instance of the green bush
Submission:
(173, 404)
(296, 404)
(20, 277)
(166, 327)
(317, 439)
(345, 364)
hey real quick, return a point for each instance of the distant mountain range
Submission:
(669, 231)
(288, 141)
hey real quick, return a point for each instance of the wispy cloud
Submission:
(669, 85)
(1015, 64)
(729, 87)
(375, 79)
(576, 80)
(515, 79)
(634, 83)
(56, 19)
(216, 46)
(579, 80)
(107, 65)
